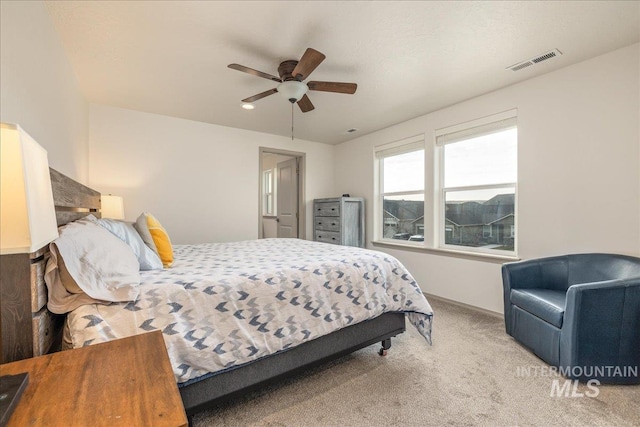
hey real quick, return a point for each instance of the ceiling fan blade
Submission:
(305, 104)
(253, 72)
(260, 95)
(349, 88)
(309, 61)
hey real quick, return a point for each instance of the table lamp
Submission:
(27, 216)
(112, 206)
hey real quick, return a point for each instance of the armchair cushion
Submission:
(546, 304)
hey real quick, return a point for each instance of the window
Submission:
(468, 198)
(401, 190)
(478, 186)
(268, 186)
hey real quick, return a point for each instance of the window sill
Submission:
(448, 252)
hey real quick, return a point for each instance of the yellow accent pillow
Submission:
(156, 237)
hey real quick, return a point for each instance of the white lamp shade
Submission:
(292, 89)
(27, 217)
(112, 207)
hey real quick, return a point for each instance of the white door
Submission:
(288, 198)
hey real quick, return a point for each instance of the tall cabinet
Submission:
(339, 220)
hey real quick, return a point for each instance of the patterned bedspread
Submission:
(226, 304)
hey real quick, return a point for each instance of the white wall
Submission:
(199, 179)
(578, 170)
(38, 88)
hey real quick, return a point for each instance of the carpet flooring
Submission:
(474, 374)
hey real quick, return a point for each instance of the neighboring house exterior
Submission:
(467, 223)
(390, 223)
(403, 216)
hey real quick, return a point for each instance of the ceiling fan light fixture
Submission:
(292, 90)
(292, 75)
(248, 106)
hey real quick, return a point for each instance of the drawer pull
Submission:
(333, 209)
(333, 223)
(321, 223)
(333, 238)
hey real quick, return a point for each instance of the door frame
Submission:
(302, 167)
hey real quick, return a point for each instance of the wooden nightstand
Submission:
(126, 382)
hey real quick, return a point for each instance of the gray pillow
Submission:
(103, 267)
(125, 231)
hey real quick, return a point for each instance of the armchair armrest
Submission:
(602, 327)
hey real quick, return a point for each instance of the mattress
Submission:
(223, 305)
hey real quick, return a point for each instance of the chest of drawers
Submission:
(339, 220)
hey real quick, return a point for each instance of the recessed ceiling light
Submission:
(248, 106)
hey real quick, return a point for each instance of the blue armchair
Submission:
(579, 312)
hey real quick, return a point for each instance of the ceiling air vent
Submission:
(533, 61)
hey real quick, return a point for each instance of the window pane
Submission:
(403, 172)
(268, 181)
(484, 160)
(269, 204)
(403, 217)
(480, 218)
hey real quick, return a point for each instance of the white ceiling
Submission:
(408, 58)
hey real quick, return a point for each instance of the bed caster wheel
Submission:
(386, 345)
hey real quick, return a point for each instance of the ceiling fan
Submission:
(292, 73)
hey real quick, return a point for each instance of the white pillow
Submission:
(103, 266)
(125, 231)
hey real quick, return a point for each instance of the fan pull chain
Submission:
(292, 121)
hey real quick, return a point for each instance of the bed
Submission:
(239, 315)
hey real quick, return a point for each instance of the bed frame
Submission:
(74, 201)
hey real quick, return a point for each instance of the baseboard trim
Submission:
(470, 307)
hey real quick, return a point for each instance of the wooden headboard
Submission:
(27, 328)
(72, 199)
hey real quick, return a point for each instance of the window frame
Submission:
(268, 181)
(403, 146)
(434, 193)
(468, 130)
